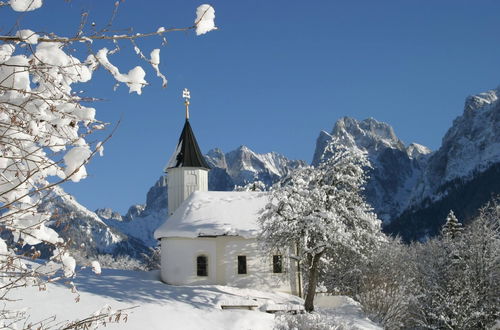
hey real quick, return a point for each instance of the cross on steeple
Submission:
(186, 95)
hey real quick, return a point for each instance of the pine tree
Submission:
(452, 228)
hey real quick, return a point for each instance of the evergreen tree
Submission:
(452, 228)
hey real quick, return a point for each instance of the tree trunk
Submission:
(313, 262)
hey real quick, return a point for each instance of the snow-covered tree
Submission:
(458, 279)
(45, 129)
(452, 228)
(316, 210)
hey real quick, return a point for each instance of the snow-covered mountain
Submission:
(463, 174)
(87, 233)
(244, 166)
(469, 147)
(410, 188)
(396, 167)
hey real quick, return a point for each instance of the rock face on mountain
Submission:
(396, 167)
(470, 146)
(462, 175)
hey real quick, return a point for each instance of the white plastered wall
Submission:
(182, 181)
(178, 264)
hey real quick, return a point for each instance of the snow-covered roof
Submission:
(215, 213)
(187, 152)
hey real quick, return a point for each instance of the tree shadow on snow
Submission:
(136, 287)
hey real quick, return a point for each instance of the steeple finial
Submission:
(186, 95)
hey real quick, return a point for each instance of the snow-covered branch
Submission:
(44, 133)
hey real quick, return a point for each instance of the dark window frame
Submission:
(277, 264)
(242, 265)
(202, 265)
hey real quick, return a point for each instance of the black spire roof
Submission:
(187, 153)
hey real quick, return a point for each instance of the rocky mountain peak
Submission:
(107, 213)
(216, 158)
(417, 151)
(475, 102)
(368, 133)
(395, 167)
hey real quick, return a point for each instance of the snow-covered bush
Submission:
(386, 287)
(380, 280)
(120, 262)
(45, 128)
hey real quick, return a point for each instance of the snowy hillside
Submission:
(155, 305)
(396, 167)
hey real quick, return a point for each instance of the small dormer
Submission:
(187, 170)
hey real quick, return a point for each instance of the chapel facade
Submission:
(209, 237)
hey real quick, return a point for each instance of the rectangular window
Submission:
(242, 264)
(202, 266)
(277, 264)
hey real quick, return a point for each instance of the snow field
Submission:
(155, 305)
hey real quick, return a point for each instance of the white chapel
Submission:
(210, 236)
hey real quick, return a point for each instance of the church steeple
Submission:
(187, 153)
(187, 169)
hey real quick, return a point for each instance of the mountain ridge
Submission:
(410, 186)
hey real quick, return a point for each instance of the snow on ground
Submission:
(161, 306)
(342, 309)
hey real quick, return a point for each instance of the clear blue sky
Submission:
(276, 73)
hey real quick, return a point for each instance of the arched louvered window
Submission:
(202, 266)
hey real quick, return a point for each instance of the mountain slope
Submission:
(396, 168)
(88, 235)
(470, 146)
(462, 175)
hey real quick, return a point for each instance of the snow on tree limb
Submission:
(25, 5)
(44, 136)
(204, 22)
